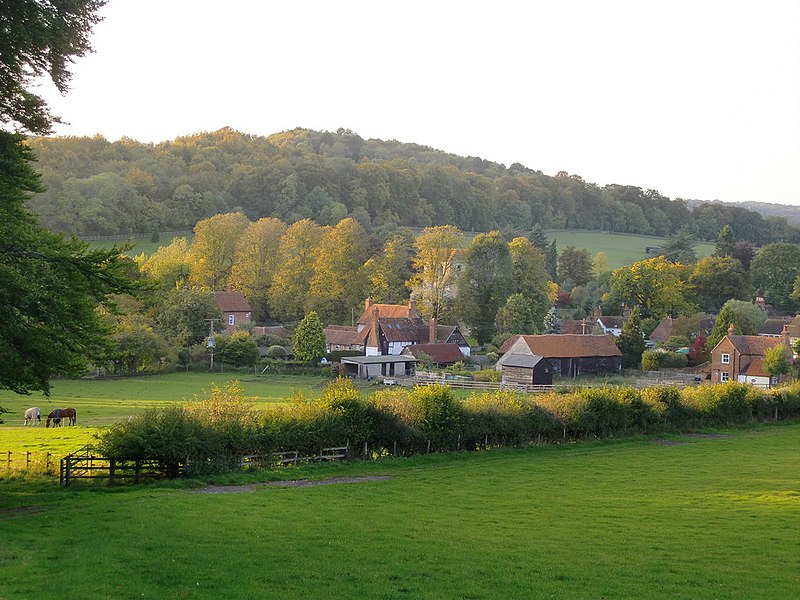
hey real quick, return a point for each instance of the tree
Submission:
(485, 283)
(776, 361)
(680, 248)
(575, 266)
(726, 242)
(551, 260)
(169, 265)
(774, 271)
(213, 251)
(49, 287)
(745, 316)
(339, 285)
(600, 263)
(631, 341)
(655, 285)
(552, 324)
(389, 271)
(435, 272)
(717, 279)
(308, 342)
(183, 317)
(240, 349)
(255, 263)
(531, 279)
(515, 316)
(291, 280)
(40, 38)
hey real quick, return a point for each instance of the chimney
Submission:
(412, 309)
(731, 329)
(786, 341)
(432, 331)
(374, 327)
(367, 304)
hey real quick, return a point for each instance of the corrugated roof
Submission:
(527, 361)
(556, 345)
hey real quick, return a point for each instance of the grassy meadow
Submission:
(715, 516)
(101, 402)
(620, 249)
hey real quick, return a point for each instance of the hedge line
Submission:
(214, 431)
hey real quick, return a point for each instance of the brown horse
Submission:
(62, 413)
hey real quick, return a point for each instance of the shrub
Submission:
(276, 352)
(487, 375)
(439, 415)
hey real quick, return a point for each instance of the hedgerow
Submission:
(213, 432)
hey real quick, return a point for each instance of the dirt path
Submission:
(232, 489)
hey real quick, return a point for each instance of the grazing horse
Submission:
(55, 417)
(62, 413)
(33, 416)
(70, 414)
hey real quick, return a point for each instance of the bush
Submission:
(438, 415)
(487, 375)
(276, 352)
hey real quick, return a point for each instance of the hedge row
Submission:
(218, 429)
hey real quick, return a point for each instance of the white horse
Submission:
(33, 416)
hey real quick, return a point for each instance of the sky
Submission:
(697, 99)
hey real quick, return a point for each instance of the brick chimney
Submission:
(785, 334)
(367, 304)
(731, 329)
(432, 331)
(412, 309)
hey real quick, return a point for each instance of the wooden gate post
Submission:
(111, 467)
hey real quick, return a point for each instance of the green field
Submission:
(689, 517)
(140, 244)
(103, 401)
(621, 249)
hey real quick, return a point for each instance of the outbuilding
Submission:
(527, 369)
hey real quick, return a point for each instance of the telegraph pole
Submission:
(211, 340)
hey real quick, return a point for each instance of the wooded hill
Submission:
(97, 187)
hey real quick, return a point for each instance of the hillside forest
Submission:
(97, 187)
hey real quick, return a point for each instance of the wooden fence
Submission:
(428, 378)
(27, 460)
(85, 465)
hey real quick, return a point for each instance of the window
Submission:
(726, 359)
(724, 376)
(230, 319)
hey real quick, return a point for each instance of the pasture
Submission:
(714, 516)
(621, 249)
(104, 401)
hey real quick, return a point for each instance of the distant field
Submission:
(141, 244)
(714, 516)
(621, 249)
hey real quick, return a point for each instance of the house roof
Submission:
(277, 330)
(230, 302)
(379, 359)
(506, 346)
(385, 311)
(754, 367)
(440, 353)
(753, 345)
(663, 330)
(340, 335)
(527, 361)
(557, 345)
(611, 322)
(577, 326)
(774, 326)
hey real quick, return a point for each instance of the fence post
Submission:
(111, 466)
(28, 459)
(136, 466)
(68, 465)
(8, 464)
(394, 452)
(365, 449)
(429, 446)
(47, 462)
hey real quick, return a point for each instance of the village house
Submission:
(341, 338)
(741, 358)
(611, 324)
(570, 355)
(235, 309)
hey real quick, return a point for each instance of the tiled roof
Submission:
(577, 326)
(611, 322)
(774, 326)
(663, 330)
(571, 346)
(753, 345)
(754, 367)
(404, 329)
(506, 346)
(391, 311)
(232, 302)
(794, 327)
(440, 353)
(340, 335)
(276, 330)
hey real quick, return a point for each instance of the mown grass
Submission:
(708, 518)
(620, 249)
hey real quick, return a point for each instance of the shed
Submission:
(386, 365)
(527, 369)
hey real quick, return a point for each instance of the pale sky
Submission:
(697, 99)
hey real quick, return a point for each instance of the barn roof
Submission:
(555, 345)
(527, 361)
(441, 354)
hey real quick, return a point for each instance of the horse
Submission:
(55, 417)
(70, 414)
(33, 416)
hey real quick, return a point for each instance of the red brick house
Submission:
(235, 309)
(741, 358)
